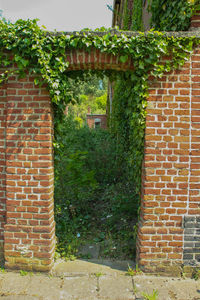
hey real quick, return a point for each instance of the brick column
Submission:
(2, 166)
(195, 21)
(29, 229)
(168, 235)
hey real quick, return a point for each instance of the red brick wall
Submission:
(195, 22)
(95, 60)
(29, 230)
(2, 164)
(171, 170)
(91, 120)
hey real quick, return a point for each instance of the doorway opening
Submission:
(96, 203)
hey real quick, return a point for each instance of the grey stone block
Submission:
(190, 225)
(189, 219)
(189, 231)
(187, 256)
(189, 238)
(189, 244)
(188, 250)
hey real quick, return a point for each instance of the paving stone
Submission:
(81, 288)
(14, 283)
(46, 287)
(82, 267)
(112, 286)
(19, 297)
(120, 288)
(168, 288)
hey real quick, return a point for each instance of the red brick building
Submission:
(97, 121)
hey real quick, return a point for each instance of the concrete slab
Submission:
(81, 288)
(100, 284)
(120, 288)
(45, 287)
(168, 288)
(14, 283)
(18, 297)
(83, 267)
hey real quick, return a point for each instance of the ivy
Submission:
(137, 15)
(126, 17)
(172, 15)
(31, 48)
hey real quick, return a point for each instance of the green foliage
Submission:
(97, 105)
(133, 272)
(93, 198)
(126, 17)
(153, 296)
(196, 274)
(23, 273)
(137, 15)
(3, 18)
(172, 15)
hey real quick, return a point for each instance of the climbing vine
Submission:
(137, 15)
(126, 17)
(29, 47)
(172, 15)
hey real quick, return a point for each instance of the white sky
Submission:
(62, 15)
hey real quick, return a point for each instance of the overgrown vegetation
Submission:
(90, 95)
(172, 15)
(137, 15)
(166, 15)
(94, 198)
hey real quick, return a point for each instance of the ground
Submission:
(94, 280)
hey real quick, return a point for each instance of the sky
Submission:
(62, 15)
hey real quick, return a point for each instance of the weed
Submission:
(2, 270)
(153, 296)
(133, 272)
(196, 274)
(23, 273)
(98, 274)
(70, 257)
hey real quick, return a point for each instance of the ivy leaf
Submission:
(123, 58)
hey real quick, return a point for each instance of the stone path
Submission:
(94, 280)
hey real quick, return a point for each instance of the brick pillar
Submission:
(29, 229)
(166, 173)
(195, 21)
(2, 166)
(169, 234)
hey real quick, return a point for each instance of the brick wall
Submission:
(96, 60)
(29, 230)
(169, 224)
(171, 169)
(195, 21)
(91, 120)
(2, 165)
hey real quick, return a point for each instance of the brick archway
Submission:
(27, 227)
(170, 212)
(96, 60)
